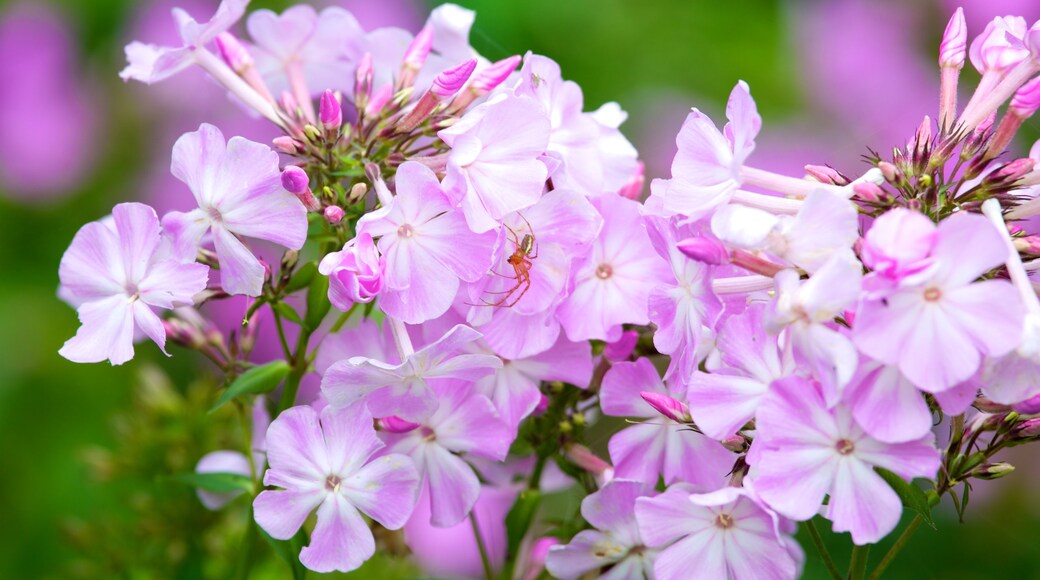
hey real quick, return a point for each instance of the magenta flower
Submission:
(239, 192)
(705, 171)
(724, 400)
(614, 541)
(427, 246)
(657, 446)
(494, 168)
(355, 273)
(117, 273)
(938, 330)
(727, 533)
(327, 464)
(612, 285)
(806, 451)
(402, 389)
(465, 422)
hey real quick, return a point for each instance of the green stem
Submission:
(247, 553)
(896, 548)
(299, 368)
(281, 334)
(858, 564)
(822, 549)
(485, 561)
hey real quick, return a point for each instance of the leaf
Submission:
(287, 312)
(257, 380)
(302, 278)
(520, 516)
(912, 496)
(216, 482)
(289, 550)
(318, 304)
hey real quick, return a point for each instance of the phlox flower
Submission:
(612, 284)
(657, 446)
(1001, 45)
(494, 167)
(326, 463)
(465, 422)
(614, 540)
(355, 274)
(705, 171)
(117, 273)
(887, 405)
(805, 451)
(427, 246)
(402, 389)
(238, 189)
(898, 248)
(937, 330)
(726, 533)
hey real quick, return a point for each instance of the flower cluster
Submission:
(782, 347)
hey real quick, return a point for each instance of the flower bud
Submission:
(419, 49)
(992, 470)
(1028, 430)
(1028, 407)
(290, 105)
(355, 273)
(634, 188)
(869, 191)
(826, 174)
(584, 458)
(987, 406)
(330, 114)
(394, 424)
(334, 214)
(234, 54)
(622, 348)
(890, 172)
(379, 100)
(954, 44)
(446, 84)
(363, 82)
(671, 408)
(735, 443)
(705, 250)
(1027, 99)
(286, 144)
(1010, 172)
(486, 80)
(296, 182)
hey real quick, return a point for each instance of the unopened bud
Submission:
(486, 80)
(992, 470)
(584, 458)
(634, 188)
(987, 406)
(234, 54)
(1027, 99)
(311, 132)
(705, 250)
(330, 114)
(1028, 245)
(289, 260)
(394, 424)
(379, 99)
(334, 214)
(290, 105)
(622, 348)
(869, 191)
(419, 49)
(286, 144)
(295, 180)
(183, 333)
(954, 41)
(890, 172)
(446, 84)
(357, 192)
(735, 443)
(826, 174)
(671, 408)
(1028, 430)
(1029, 406)
(1011, 172)
(924, 132)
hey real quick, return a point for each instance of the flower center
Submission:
(724, 521)
(214, 214)
(932, 294)
(405, 231)
(132, 291)
(332, 483)
(604, 271)
(427, 434)
(844, 446)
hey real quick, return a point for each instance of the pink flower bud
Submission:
(868, 191)
(671, 408)
(330, 113)
(1026, 430)
(987, 406)
(1011, 172)
(286, 144)
(1000, 46)
(363, 81)
(419, 49)
(486, 80)
(825, 174)
(450, 81)
(622, 348)
(705, 250)
(233, 53)
(379, 99)
(355, 273)
(334, 214)
(735, 443)
(1027, 99)
(542, 406)
(989, 471)
(924, 131)
(295, 180)
(289, 104)
(1028, 407)
(584, 458)
(393, 424)
(634, 188)
(954, 44)
(889, 171)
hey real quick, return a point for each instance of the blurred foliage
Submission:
(88, 448)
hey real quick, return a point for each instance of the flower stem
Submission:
(822, 549)
(489, 573)
(895, 549)
(247, 553)
(858, 564)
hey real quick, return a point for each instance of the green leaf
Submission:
(913, 497)
(302, 278)
(287, 312)
(257, 380)
(216, 482)
(520, 516)
(318, 304)
(289, 550)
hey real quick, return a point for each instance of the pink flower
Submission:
(705, 171)
(427, 246)
(117, 273)
(326, 464)
(355, 273)
(612, 285)
(614, 541)
(806, 451)
(239, 192)
(493, 168)
(898, 246)
(1000, 46)
(465, 422)
(937, 330)
(657, 446)
(727, 533)
(887, 405)
(403, 389)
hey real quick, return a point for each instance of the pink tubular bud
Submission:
(486, 80)
(671, 408)
(393, 424)
(295, 180)
(1011, 172)
(331, 113)
(826, 174)
(584, 458)
(234, 54)
(868, 191)
(987, 406)
(622, 348)
(542, 406)
(450, 81)
(334, 214)
(419, 49)
(1026, 431)
(287, 145)
(379, 99)
(1029, 406)
(634, 188)
(705, 250)
(735, 443)
(954, 44)
(1027, 99)
(363, 82)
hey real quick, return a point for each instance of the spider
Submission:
(525, 250)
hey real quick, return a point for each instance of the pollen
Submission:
(845, 447)
(724, 521)
(604, 271)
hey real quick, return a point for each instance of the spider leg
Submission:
(522, 292)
